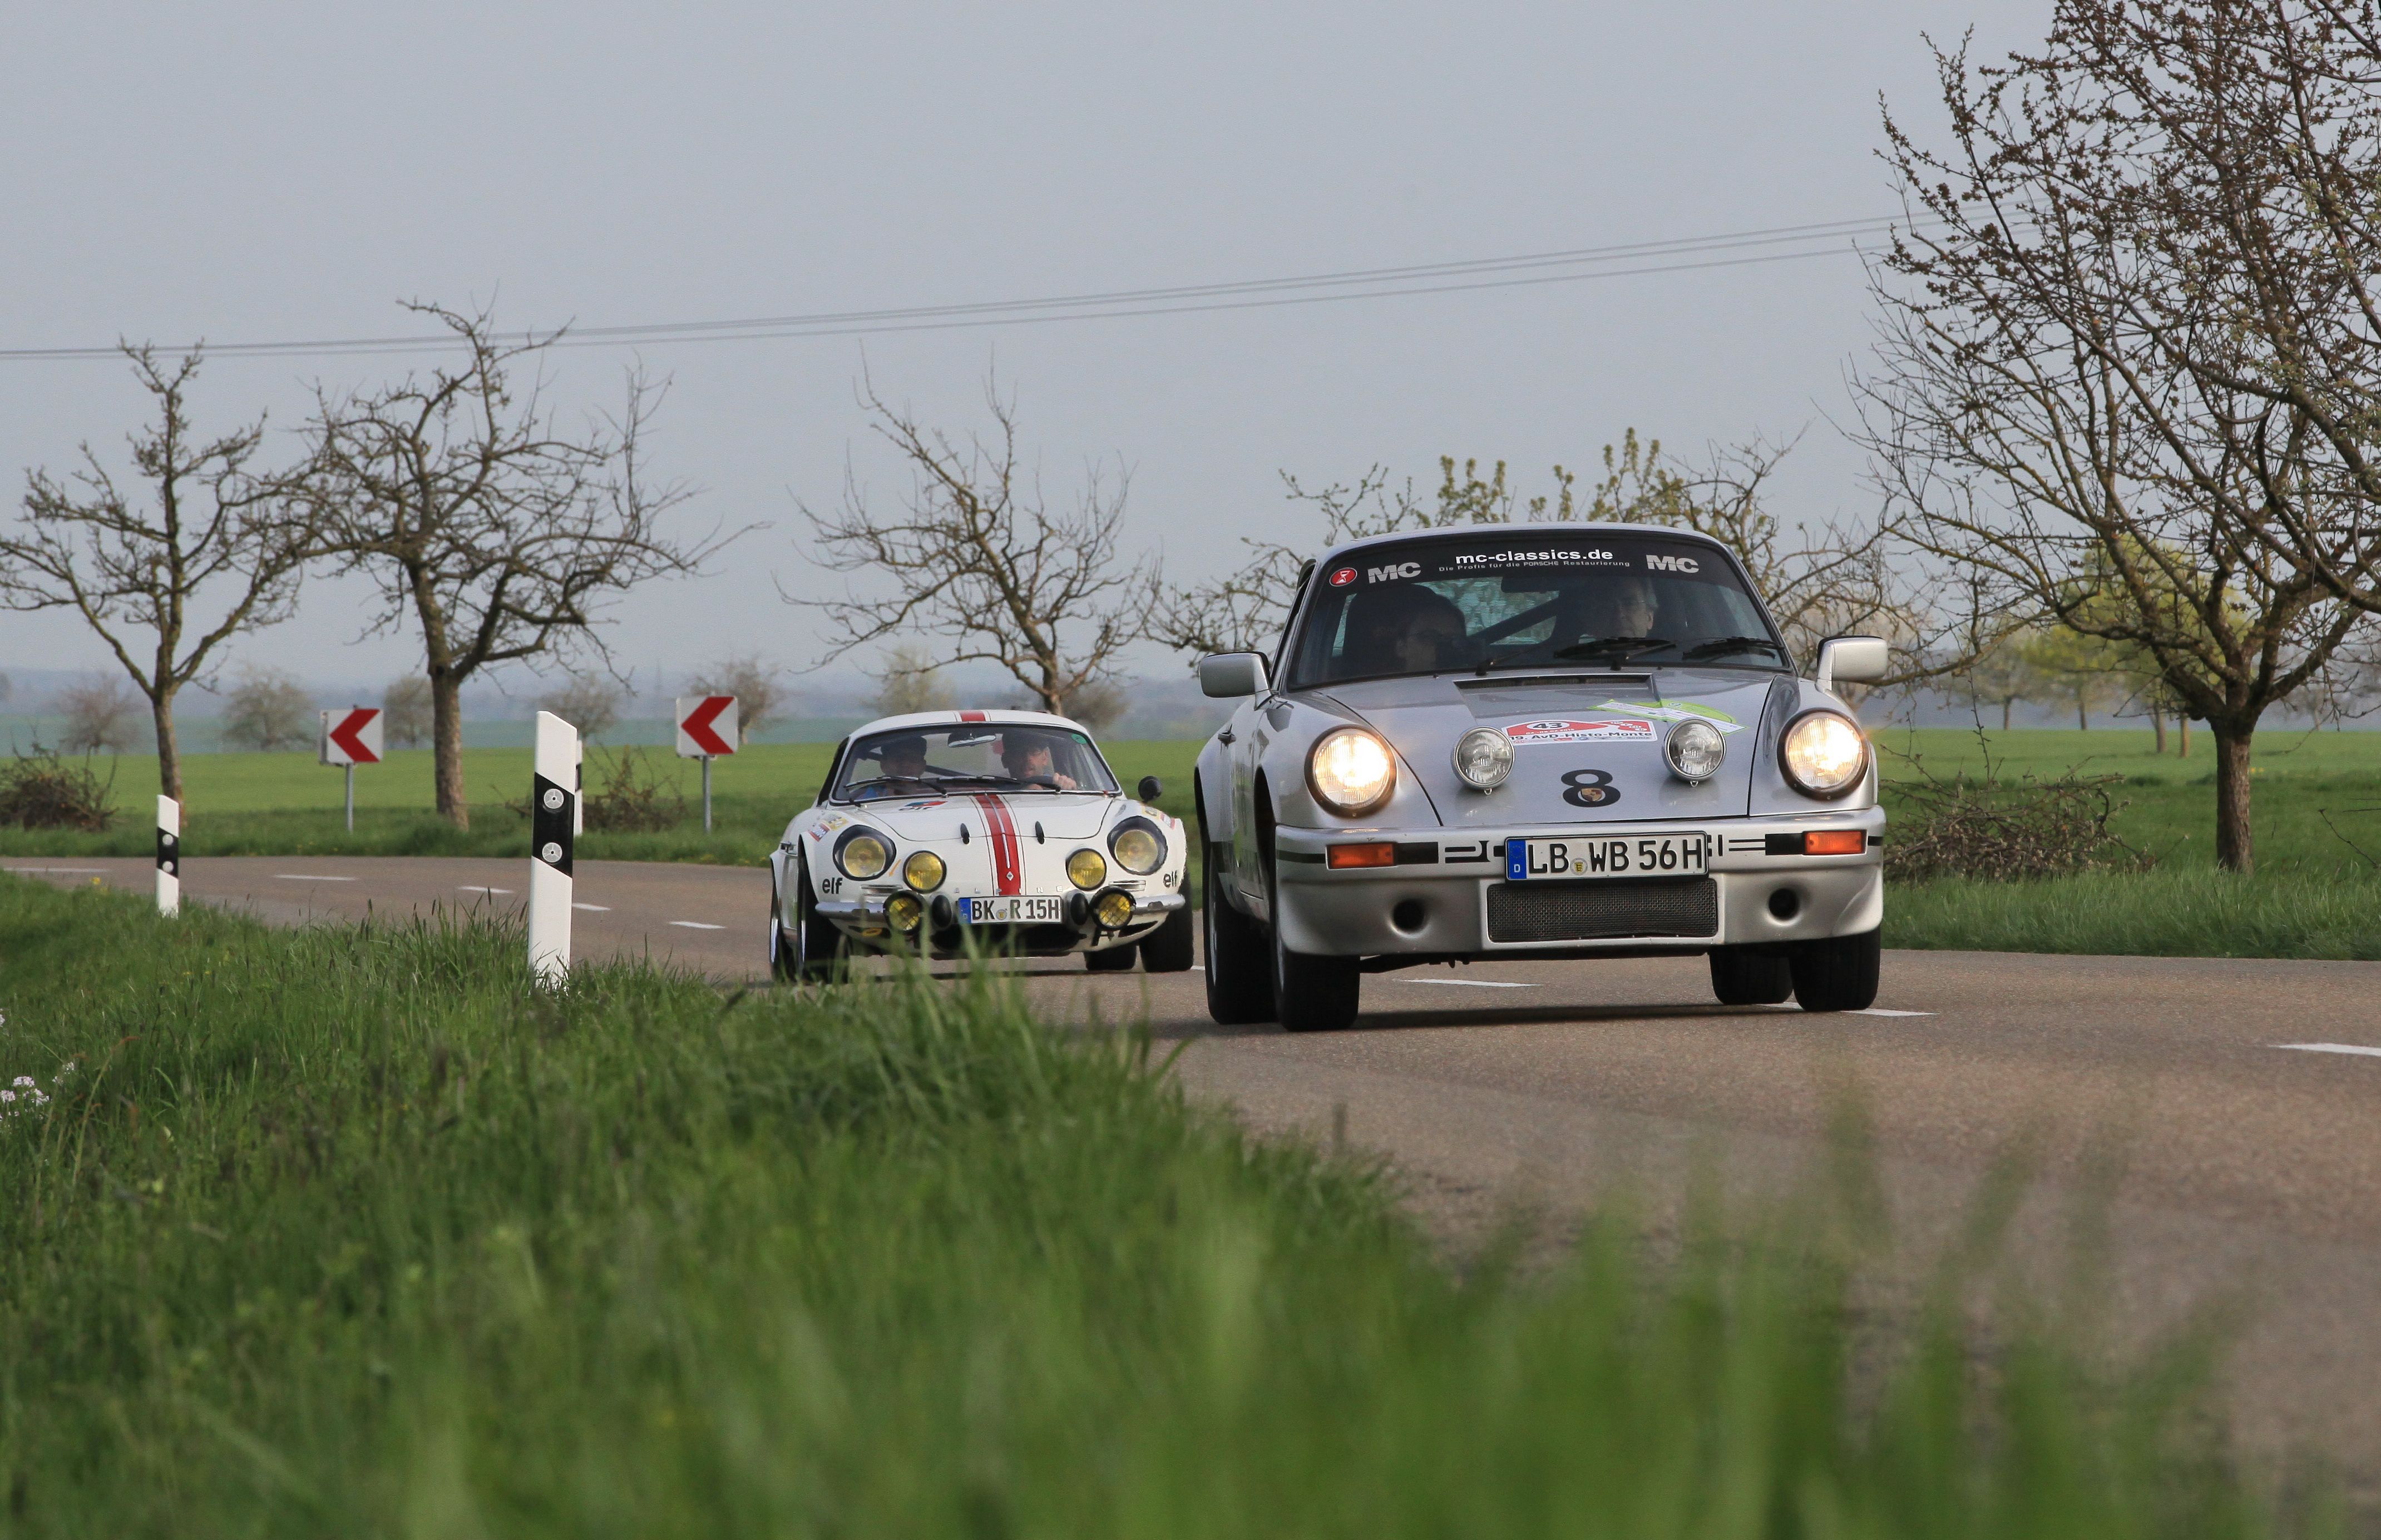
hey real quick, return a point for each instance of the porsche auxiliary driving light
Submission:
(863, 853)
(1822, 754)
(1484, 756)
(1087, 869)
(922, 871)
(1694, 750)
(1138, 846)
(1350, 771)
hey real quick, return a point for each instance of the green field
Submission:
(2315, 895)
(355, 1233)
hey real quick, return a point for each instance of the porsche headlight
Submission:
(1822, 754)
(1350, 771)
(922, 871)
(1484, 756)
(863, 853)
(1086, 869)
(1694, 750)
(1138, 846)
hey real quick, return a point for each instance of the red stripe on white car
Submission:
(1008, 859)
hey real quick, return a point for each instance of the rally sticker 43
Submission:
(1557, 730)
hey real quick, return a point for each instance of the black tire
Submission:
(1742, 976)
(1112, 960)
(1239, 977)
(1838, 975)
(1310, 994)
(804, 952)
(1167, 948)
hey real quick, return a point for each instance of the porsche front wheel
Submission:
(1310, 993)
(1239, 981)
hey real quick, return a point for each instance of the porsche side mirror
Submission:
(1150, 789)
(1229, 675)
(1853, 660)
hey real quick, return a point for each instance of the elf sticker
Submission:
(1561, 730)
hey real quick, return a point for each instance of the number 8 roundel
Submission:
(1590, 788)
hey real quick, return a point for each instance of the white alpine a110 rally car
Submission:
(946, 832)
(1543, 740)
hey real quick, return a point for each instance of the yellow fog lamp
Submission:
(922, 871)
(1114, 910)
(1087, 868)
(906, 912)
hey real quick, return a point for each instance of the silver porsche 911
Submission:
(1535, 742)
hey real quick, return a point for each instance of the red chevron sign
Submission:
(706, 725)
(351, 738)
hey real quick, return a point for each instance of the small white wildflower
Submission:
(41, 1099)
(24, 1079)
(67, 1069)
(7, 1096)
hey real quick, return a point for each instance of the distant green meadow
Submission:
(2317, 821)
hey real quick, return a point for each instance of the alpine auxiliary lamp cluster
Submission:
(949, 832)
(1552, 742)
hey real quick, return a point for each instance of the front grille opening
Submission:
(1601, 911)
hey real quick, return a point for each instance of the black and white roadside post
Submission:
(706, 729)
(552, 825)
(169, 856)
(351, 738)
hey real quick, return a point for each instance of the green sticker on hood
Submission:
(1676, 710)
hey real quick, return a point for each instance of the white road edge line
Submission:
(61, 872)
(697, 924)
(311, 877)
(1471, 983)
(2331, 1048)
(1871, 1010)
(476, 888)
(594, 908)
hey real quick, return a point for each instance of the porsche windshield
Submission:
(971, 757)
(1542, 597)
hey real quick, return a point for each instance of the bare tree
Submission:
(978, 560)
(759, 689)
(1818, 582)
(2124, 378)
(269, 711)
(405, 711)
(211, 550)
(493, 532)
(909, 682)
(98, 717)
(587, 702)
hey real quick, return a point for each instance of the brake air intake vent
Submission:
(1603, 911)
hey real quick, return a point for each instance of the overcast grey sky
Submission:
(265, 172)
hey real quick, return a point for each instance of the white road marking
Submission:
(1474, 983)
(594, 908)
(1871, 1010)
(476, 888)
(2331, 1048)
(697, 924)
(310, 876)
(62, 871)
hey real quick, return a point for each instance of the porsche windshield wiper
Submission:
(1605, 646)
(1721, 646)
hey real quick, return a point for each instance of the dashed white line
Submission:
(2331, 1048)
(311, 877)
(594, 908)
(61, 872)
(1871, 1010)
(697, 924)
(1471, 983)
(476, 888)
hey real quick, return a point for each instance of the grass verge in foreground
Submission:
(2165, 912)
(352, 1231)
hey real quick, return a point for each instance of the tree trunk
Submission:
(446, 747)
(2082, 717)
(2183, 722)
(169, 748)
(2005, 710)
(2233, 850)
(2157, 721)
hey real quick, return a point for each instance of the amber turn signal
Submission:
(1382, 855)
(1835, 842)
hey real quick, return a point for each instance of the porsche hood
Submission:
(1586, 748)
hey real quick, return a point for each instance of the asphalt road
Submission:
(2240, 1102)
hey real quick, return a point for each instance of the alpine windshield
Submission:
(1528, 598)
(992, 757)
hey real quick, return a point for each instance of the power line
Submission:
(1785, 243)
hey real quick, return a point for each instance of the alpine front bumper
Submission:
(1446, 897)
(865, 919)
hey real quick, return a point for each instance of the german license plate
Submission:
(1603, 856)
(1009, 911)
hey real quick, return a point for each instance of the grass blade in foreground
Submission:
(352, 1231)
